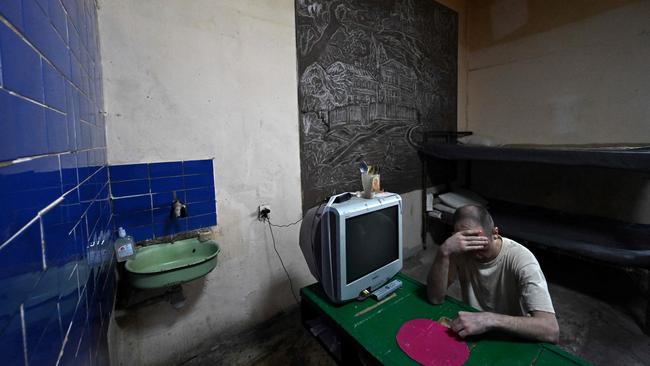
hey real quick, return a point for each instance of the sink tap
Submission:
(178, 208)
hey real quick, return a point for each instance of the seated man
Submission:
(497, 275)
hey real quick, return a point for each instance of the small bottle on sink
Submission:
(124, 246)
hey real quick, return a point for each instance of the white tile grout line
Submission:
(24, 331)
(81, 338)
(72, 273)
(85, 221)
(20, 231)
(84, 181)
(40, 222)
(47, 106)
(41, 55)
(7, 163)
(92, 243)
(42, 212)
(67, 333)
(42, 105)
(79, 292)
(60, 170)
(58, 312)
(84, 216)
(56, 202)
(32, 221)
(24, 159)
(65, 341)
(101, 314)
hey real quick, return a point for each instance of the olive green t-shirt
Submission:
(511, 284)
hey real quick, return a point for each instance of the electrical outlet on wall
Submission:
(263, 212)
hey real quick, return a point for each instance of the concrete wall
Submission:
(555, 72)
(558, 71)
(200, 79)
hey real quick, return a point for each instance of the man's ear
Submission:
(495, 232)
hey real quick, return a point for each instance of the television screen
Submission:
(372, 241)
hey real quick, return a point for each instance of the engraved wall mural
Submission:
(370, 73)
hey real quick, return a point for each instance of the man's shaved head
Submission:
(476, 215)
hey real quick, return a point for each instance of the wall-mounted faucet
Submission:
(178, 208)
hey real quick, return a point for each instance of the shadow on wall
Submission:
(277, 341)
(495, 22)
(281, 336)
(166, 315)
(276, 293)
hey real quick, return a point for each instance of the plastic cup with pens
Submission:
(370, 181)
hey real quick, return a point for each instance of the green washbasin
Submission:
(169, 264)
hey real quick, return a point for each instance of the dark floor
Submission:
(599, 309)
(280, 341)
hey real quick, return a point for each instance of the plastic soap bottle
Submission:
(124, 246)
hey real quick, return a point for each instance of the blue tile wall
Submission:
(142, 196)
(57, 280)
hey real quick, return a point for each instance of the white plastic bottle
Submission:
(124, 246)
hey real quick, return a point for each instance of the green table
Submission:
(374, 330)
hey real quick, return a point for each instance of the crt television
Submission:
(353, 244)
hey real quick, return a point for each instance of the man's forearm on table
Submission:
(533, 328)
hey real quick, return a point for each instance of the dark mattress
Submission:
(623, 156)
(612, 241)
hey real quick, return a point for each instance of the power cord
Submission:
(279, 257)
(287, 225)
(264, 216)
